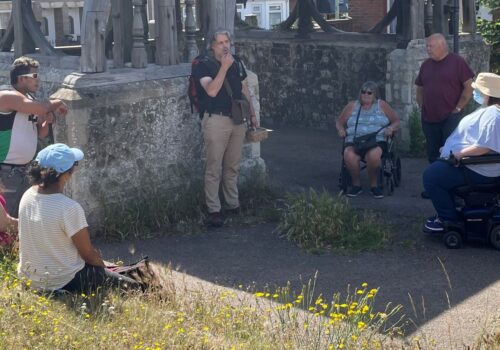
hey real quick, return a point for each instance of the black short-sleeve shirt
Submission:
(235, 75)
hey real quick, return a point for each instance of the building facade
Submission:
(268, 13)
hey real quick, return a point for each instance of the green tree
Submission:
(490, 31)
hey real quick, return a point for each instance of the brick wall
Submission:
(366, 13)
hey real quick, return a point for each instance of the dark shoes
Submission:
(377, 192)
(215, 219)
(233, 212)
(354, 191)
(357, 190)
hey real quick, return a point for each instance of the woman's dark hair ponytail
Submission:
(44, 177)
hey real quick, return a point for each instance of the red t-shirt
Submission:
(442, 83)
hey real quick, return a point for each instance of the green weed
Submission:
(417, 139)
(319, 222)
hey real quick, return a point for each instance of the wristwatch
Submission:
(458, 109)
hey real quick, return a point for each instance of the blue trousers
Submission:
(440, 178)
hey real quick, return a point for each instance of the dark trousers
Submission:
(437, 133)
(440, 178)
(90, 278)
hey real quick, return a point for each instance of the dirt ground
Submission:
(450, 295)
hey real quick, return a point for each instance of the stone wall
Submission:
(135, 127)
(308, 82)
(403, 66)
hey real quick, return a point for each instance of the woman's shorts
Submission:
(381, 144)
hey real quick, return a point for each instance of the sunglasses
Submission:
(367, 92)
(30, 75)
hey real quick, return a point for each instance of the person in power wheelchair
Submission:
(367, 115)
(477, 134)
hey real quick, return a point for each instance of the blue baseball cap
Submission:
(59, 157)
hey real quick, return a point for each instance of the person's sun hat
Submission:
(488, 84)
(59, 157)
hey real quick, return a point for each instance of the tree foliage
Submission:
(490, 31)
(490, 3)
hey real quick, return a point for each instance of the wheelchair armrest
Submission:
(484, 159)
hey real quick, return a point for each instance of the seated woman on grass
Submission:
(54, 242)
(364, 116)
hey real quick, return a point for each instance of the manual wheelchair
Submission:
(389, 176)
(478, 206)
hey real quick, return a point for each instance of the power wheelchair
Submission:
(478, 206)
(389, 176)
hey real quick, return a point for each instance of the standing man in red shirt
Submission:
(443, 90)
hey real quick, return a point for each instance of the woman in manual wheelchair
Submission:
(365, 124)
(477, 134)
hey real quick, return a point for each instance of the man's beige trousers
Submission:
(223, 143)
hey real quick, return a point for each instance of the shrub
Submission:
(319, 222)
(417, 139)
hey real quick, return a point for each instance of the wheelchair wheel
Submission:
(452, 239)
(495, 237)
(396, 170)
(389, 185)
(344, 180)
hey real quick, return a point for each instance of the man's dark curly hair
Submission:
(43, 177)
(20, 66)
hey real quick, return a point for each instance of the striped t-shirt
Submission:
(18, 138)
(47, 222)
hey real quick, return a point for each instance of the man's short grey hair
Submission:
(212, 36)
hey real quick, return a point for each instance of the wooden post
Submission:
(218, 14)
(469, 16)
(190, 30)
(121, 14)
(417, 11)
(139, 55)
(440, 21)
(95, 16)
(18, 28)
(166, 33)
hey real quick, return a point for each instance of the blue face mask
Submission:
(478, 97)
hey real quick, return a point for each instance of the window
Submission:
(256, 10)
(239, 9)
(44, 26)
(274, 15)
(4, 20)
(71, 25)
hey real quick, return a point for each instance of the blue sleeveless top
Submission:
(370, 120)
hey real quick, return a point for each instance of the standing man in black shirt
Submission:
(223, 137)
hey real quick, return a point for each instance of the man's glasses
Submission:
(367, 92)
(30, 75)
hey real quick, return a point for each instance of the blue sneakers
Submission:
(434, 224)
